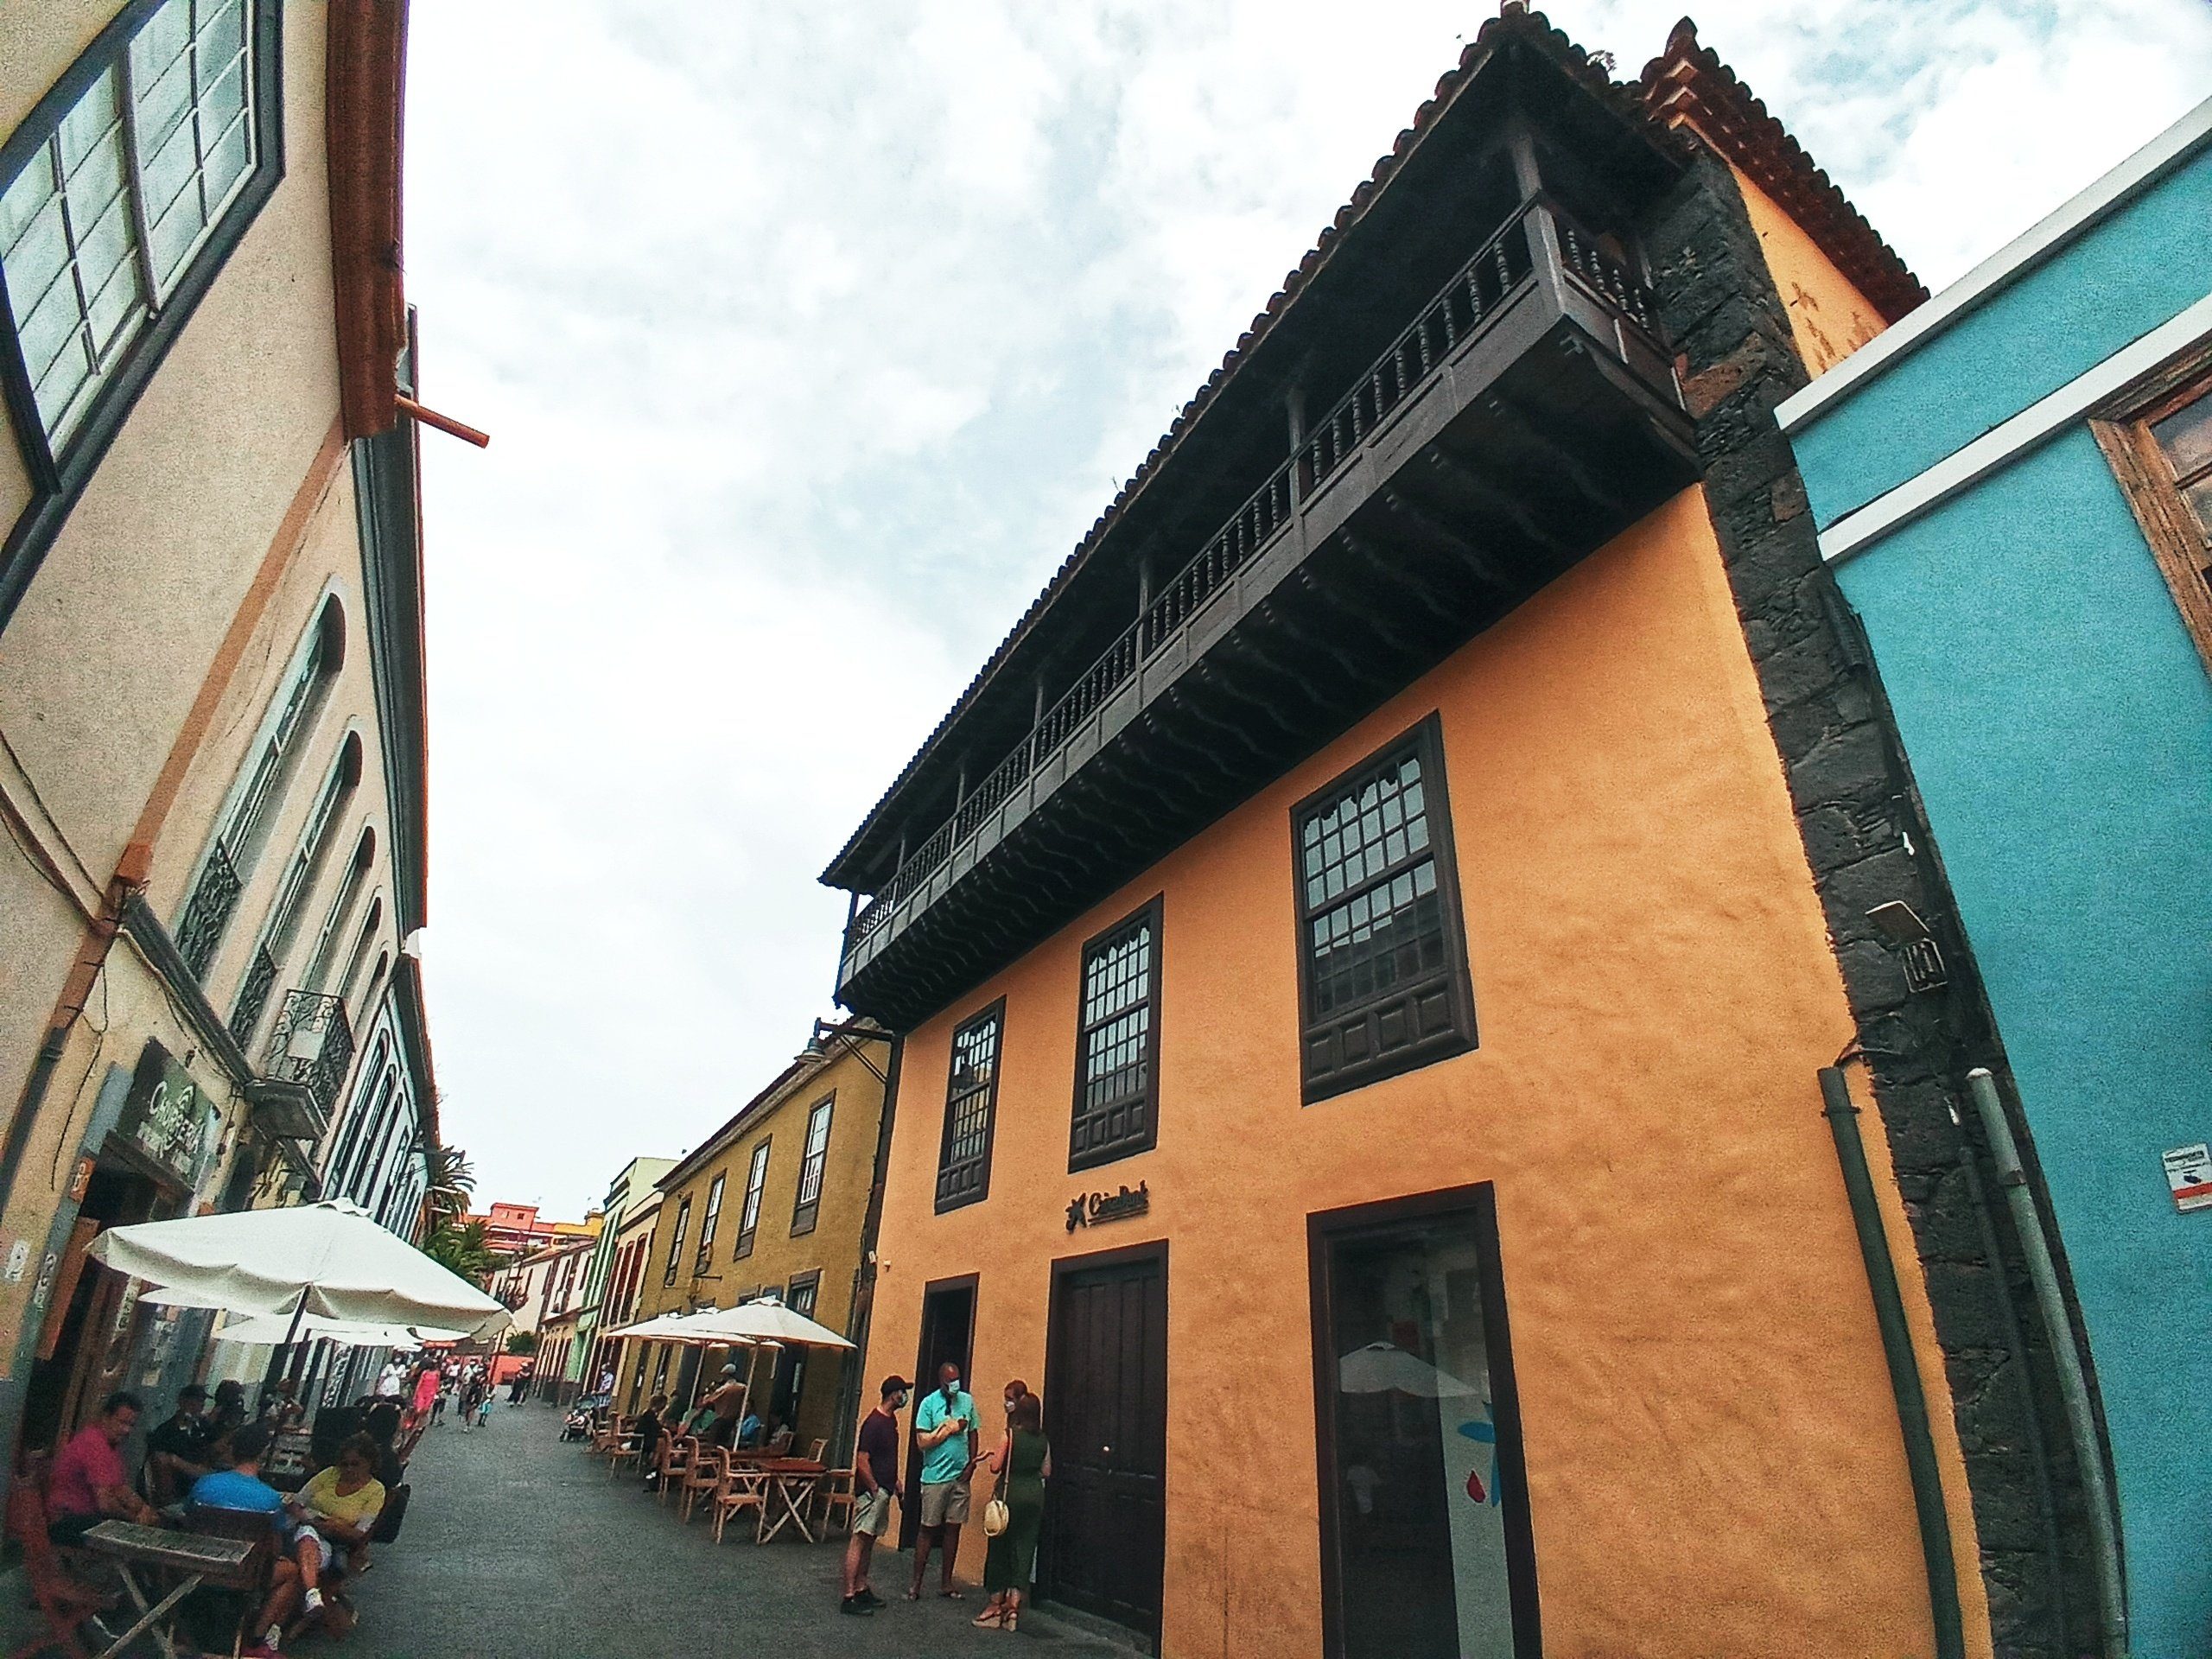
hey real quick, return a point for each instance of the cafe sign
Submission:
(167, 1117)
(1094, 1208)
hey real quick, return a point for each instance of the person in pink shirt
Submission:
(89, 1484)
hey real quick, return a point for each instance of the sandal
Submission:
(952, 1595)
(1007, 1623)
(991, 1619)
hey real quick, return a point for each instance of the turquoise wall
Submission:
(2059, 722)
(2137, 269)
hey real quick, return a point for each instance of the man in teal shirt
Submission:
(944, 1433)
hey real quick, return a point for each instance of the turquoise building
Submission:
(2013, 487)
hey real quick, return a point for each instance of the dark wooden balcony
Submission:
(1527, 414)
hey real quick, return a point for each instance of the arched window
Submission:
(349, 892)
(369, 994)
(350, 1128)
(298, 880)
(271, 761)
(360, 956)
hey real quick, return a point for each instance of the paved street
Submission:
(519, 1546)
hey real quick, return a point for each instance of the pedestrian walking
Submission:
(945, 1430)
(519, 1384)
(1022, 1464)
(876, 1475)
(472, 1395)
(484, 1399)
(444, 1392)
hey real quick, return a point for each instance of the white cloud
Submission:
(811, 336)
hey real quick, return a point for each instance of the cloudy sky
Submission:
(812, 334)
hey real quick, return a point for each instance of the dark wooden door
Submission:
(1106, 1415)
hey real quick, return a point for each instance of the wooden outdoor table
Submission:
(791, 1482)
(196, 1555)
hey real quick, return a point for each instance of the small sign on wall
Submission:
(2189, 1173)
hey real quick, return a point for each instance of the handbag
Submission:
(996, 1515)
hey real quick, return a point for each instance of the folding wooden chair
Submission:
(838, 1498)
(248, 1584)
(674, 1462)
(64, 1602)
(630, 1449)
(708, 1464)
(741, 1487)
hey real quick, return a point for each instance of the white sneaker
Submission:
(312, 1601)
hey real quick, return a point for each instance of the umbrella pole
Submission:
(293, 1346)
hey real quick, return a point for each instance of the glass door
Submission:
(1427, 1549)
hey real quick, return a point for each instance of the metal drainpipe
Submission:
(2073, 1386)
(1904, 1368)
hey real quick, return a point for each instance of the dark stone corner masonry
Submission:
(1861, 823)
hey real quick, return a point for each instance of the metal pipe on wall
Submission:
(1905, 1367)
(2066, 1358)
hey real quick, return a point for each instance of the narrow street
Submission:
(517, 1545)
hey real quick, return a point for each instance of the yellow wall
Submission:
(1828, 317)
(1713, 1447)
(830, 1248)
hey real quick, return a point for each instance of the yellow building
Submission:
(212, 731)
(773, 1203)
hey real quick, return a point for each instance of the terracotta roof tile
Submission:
(1688, 84)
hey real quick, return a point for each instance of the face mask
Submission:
(951, 1387)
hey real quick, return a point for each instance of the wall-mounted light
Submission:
(1901, 926)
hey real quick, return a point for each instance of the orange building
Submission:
(1371, 945)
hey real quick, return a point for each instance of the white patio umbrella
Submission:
(268, 1328)
(765, 1320)
(328, 1261)
(1384, 1368)
(672, 1327)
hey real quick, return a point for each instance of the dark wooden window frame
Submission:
(57, 481)
(756, 1188)
(710, 1220)
(676, 1243)
(806, 1211)
(2122, 428)
(994, 1012)
(1425, 738)
(1129, 1145)
(1479, 1203)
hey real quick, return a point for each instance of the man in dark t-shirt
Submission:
(876, 1476)
(176, 1452)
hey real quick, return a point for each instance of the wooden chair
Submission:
(837, 1496)
(741, 1487)
(249, 1582)
(630, 1449)
(708, 1464)
(63, 1602)
(674, 1461)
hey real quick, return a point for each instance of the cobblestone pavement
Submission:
(519, 1546)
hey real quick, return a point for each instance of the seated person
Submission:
(777, 1436)
(176, 1452)
(89, 1484)
(339, 1508)
(649, 1429)
(748, 1430)
(227, 1410)
(295, 1580)
(381, 1424)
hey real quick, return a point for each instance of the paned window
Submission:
(811, 1166)
(675, 1242)
(710, 1221)
(789, 1389)
(756, 1182)
(1117, 1043)
(1382, 961)
(2159, 442)
(971, 1093)
(114, 187)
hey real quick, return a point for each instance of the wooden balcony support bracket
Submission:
(1497, 500)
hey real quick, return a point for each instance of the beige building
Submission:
(775, 1203)
(211, 734)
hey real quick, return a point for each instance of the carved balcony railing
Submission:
(207, 912)
(1538, 243)
(253, 996)
(312, 1044)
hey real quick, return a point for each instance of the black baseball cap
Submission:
(192, 1391)
(895, 1383)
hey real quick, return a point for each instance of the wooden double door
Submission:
(1103, 1548)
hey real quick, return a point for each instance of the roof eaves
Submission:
(1515, 23)
(1687, 84)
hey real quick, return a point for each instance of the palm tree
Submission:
(465, 1250)
(453, 1186)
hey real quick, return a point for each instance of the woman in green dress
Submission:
(1023, 1463)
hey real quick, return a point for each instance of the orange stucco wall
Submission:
(1714, 1463)
(1828, 317)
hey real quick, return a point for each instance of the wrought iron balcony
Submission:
(1526, 415)
(253, 996)
(312, 1045)
(207, 912)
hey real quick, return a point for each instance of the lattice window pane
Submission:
(1116, 1041)
(191, 74)
(970, 1095)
